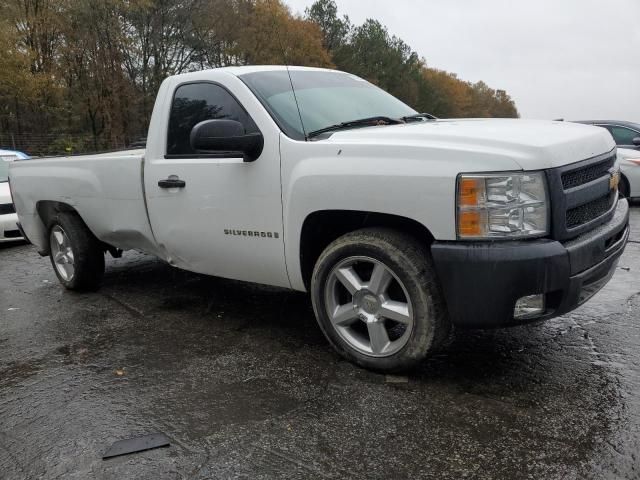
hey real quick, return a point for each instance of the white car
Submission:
(629, 163)
(398, 225)
(9, 231)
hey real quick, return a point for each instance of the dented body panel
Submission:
(106, 190)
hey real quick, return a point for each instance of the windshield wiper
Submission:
(418, 116)
(370, 121)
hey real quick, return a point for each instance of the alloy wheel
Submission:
(62, 253)
(368, 306)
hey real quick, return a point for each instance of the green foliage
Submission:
(371, 52)
(335, 31)
(382, 59)
(66, 145)
(83, 74)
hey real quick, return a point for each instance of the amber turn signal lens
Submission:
(469, 223)
(469, 191)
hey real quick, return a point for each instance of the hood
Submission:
(5, 194)
(532, 144)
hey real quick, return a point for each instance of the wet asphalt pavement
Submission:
(241, 380)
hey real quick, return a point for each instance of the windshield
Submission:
(4, 170)
(325, 98)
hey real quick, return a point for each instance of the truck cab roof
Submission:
(242, 70)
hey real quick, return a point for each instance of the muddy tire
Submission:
(76, 254)
(377, 299)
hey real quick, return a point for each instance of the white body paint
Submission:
(408, 170)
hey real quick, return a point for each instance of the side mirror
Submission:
(636, 141)
(212, 136)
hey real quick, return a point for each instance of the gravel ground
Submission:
(241, 380)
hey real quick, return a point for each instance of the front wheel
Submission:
(76, 254)
(377, 300)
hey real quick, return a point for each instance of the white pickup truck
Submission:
(399, 225)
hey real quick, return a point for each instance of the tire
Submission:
(353, 306)
(76, 254)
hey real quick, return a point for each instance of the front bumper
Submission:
(9, 231)
(482, 281)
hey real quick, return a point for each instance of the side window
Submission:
(196, 102)
(623, 136)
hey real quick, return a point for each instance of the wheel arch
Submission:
(626, 184)
(46, 211)
(322, 227)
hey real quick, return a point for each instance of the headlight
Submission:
(502, 205)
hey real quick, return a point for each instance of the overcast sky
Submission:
(573, 59)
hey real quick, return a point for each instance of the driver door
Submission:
(214, 213)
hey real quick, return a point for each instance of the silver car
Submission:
(629, 162)
(9, 231)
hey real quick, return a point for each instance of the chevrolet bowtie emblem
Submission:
(614, 180)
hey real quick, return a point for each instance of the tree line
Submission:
(81, 75)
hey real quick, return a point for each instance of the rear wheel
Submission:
(76, 254)
(377, 300)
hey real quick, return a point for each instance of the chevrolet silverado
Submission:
(399, 225)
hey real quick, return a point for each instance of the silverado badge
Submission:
(251, 233)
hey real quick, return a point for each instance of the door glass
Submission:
(196, 102)
(623, 136)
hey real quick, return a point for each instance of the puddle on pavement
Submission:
(201, 410)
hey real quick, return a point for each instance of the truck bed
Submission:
(106, 189)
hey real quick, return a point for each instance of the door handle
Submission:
(172, 182)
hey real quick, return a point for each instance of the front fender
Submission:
(362, 184)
